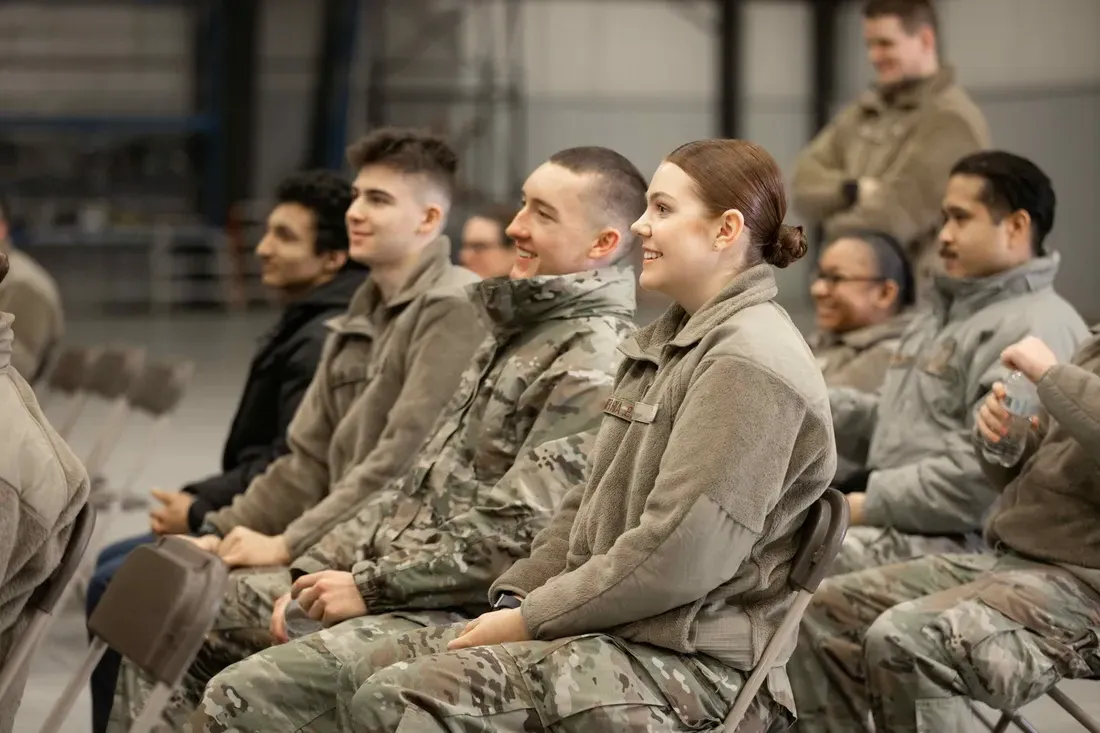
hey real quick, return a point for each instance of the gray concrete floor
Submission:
(221, 346)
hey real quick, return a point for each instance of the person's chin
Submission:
(649, 280)
(524, 268)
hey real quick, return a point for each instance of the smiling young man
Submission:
(304, 255)
(426, 550)
(390, 364)
(923, 491)
(883, 161)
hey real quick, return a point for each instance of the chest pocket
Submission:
(942, 382)
(506, 417)
(880, 142)
(351, 370)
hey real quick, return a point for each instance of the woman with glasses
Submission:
(861, 292)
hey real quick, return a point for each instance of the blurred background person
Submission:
(42, 489)
(486, 249)
(884, 160)
(30, 294)
(862, 290)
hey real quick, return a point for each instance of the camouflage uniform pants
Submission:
(910, 645)
(872, 547)
(408, 682)
(240, 630)
(579, 684)
(296, 686)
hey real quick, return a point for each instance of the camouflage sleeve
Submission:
(467, 553)
(447, 334)
(819, 176)
(548, 552)
(454, 563)
(907, 204)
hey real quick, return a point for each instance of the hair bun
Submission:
(789, 246)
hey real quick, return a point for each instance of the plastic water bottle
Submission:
(298, 622)
(1022, 402)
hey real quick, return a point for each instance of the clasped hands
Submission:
(243, 547)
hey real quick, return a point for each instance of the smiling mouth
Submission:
(524, 254)
(649, 256)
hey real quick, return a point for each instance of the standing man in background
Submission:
(30, 294)
(883, 162)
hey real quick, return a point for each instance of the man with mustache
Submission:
(922, 491)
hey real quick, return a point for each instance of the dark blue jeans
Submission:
(106, 673)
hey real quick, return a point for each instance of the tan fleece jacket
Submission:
(386, 372)
(716, 440)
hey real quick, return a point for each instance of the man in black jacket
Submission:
(304, 253)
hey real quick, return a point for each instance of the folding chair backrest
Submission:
(160, 387)
(70, 371)
(156, 612)
(160, 605)
(44, 599)
(822, 535)
(113, 371)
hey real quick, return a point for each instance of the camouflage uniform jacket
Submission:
(925, 477)
(507, 448)
(386, 371)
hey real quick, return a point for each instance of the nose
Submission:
(947, 235)
(641, 228)
(818, 288)
(354, 212)
(516, 230)
(263, 247)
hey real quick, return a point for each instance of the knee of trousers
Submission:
(890, 636)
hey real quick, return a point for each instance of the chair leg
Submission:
(1074, 710)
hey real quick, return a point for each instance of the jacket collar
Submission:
(368, 313)
(956, 299)
(7, 340)
(679, 329)
(907, 94)
(508, 306)
(866, 337)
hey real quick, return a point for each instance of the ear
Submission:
(1018, 226)
(730, 229)
(334, 260)
(888, 293)
(433, 218)
(927, 37)
(607, 242)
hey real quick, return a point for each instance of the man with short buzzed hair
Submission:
(513, 441)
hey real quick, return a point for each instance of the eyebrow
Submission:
(660, 194)
(375, 192)
(541, 203)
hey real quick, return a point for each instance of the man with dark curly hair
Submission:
(304, 254)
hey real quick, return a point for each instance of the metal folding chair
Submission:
(110, 377)
(822, 535)
(156, 612)
(1013, 717)
(67, 379)
(157, 393)
(45, 599)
